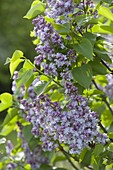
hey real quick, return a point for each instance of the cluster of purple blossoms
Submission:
(74, 124)
(57, 8)
(60, 10)
(52, 62)
(87, 7)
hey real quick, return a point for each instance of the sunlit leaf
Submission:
(16, 59)
(23, 78)
(40, 87)
(8, 128)
(106, 12)
(36, 8)
(12, 112)
(102, 29)
(5, 101)
(16, 55)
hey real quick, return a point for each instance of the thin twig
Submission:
(103, 98)
(104, 130)
(106, 66)
(67, 156)
(102, 127)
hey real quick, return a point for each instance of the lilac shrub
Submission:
(57, 96)
(74, 125)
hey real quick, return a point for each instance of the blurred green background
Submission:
(14, 34)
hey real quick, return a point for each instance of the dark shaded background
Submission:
(14, 34)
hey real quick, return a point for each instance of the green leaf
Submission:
(28, 64)
(37, 8)
(16, 55)
(58, 159)
(56, 96)
(12, 112)
(27, 167)
(91, 37)
(97, 67)
(110, 128)
(95, 162)
(33, 143)
(7, 61)
(106, 118)
(86, 157)
(83, 19)
(92, 92)
(110, 135)
(62, 28)
(26, 131)
(83, 75)
(98, 149)
(108, 1)
(101, 79)
(24, 77)
(14, 65)
(110, 147)
(44, 78)
(45, 167)
(106, 12)
(98, 107)
(5, 101)
(15, 60)
(102, 29)
(101, 53)
(85, 48)
(40, 87)
(8, 128)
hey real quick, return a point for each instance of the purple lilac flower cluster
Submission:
(52, 62)
(57, 8)
(74, 125)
